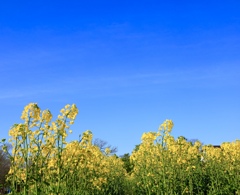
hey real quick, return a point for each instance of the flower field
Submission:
(42, 162)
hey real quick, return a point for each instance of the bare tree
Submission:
(103, 145)
(4, 167)
(193, 141)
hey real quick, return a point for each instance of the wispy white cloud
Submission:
(15, 94)
(195, 77)
(175, 77)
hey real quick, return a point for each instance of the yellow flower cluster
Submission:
(176, 166)
(42, 162)
(88, 161)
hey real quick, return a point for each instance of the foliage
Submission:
(128, 166)
(42, 162)
(164, 165)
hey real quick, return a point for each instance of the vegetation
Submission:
(42, 162)
(4, 168)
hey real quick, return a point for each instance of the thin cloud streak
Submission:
(135, 82)
(166, 77)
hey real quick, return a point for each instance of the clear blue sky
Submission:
(127, 65)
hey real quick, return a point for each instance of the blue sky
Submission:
(127, 65)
